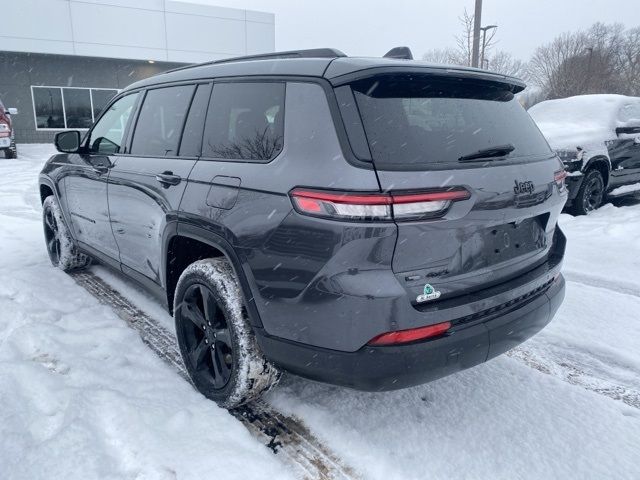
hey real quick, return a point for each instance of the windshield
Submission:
(417, 122)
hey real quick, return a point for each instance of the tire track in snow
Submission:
(285, 436)
(564, 369)
(600, 282)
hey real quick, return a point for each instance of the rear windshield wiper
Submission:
(488, 153)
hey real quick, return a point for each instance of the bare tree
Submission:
(447, 56)
(461, 54)
(465, 39)
(507, 64)
(602, 59)
(630, 61)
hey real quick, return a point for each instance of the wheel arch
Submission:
(602, 164)
(46, 189)
(190, 243)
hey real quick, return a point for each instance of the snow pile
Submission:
(585, 121)
(625, 189)
(80, 395)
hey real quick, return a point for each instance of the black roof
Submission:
(327, 63)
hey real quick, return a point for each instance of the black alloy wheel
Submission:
(593, 192)
(52, 235)
(207, 339)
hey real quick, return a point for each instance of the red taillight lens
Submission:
(376, 206)
(412, 335)
(559, 177)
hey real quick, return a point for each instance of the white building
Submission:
(61, 60)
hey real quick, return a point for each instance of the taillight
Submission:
(376, 206)
(5, 131)
(559, 177)
(412, 335)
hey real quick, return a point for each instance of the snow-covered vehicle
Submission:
(7, 141)
(597, 137)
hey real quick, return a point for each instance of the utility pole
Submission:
(588, 76)
(477, 21)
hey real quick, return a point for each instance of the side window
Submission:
(160, 122)
(245, 121)
(630, 112)
(192, 135)
(108, 132)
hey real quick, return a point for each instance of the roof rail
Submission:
(311, 53)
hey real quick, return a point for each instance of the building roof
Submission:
(157, 30)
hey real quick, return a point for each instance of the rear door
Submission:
(146, 184)
(423, 133)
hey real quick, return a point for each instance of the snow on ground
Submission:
(633, 188)
(80, 393)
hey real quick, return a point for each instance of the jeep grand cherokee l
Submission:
(372, 223)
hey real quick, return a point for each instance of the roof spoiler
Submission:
(402, 53)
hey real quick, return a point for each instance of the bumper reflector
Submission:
(411, 335)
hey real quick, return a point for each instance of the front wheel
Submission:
(11, 152)
(60, 247)
(590, 194)
(217, 343)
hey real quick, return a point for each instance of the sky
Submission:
(371, 28)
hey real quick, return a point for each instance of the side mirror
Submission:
(631, 130)
(12, 111)
(68, 142)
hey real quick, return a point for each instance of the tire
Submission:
(217, 343)
(62, 251)
(590, 195)
(11, 152)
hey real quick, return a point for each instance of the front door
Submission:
(146, 184)
(86, 181)
(624, 151)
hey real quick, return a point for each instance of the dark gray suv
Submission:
(373, 223)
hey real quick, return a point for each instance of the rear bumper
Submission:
(394, 367)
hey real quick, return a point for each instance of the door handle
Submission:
(168, 178)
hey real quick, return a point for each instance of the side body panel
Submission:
(141, 208)
(625, 160)
(86, 201)
(298, 270)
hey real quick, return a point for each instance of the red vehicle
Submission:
(7, 141)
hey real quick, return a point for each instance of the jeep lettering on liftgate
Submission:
(523, 187)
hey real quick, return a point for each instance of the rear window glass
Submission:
(417, 122)
(245, 121)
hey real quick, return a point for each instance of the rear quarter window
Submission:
(418, 122)
(245, 121)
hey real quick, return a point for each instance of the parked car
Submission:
(371, 223)
(597, 137)
(7, 138)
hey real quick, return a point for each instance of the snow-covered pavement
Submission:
(82, 397)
